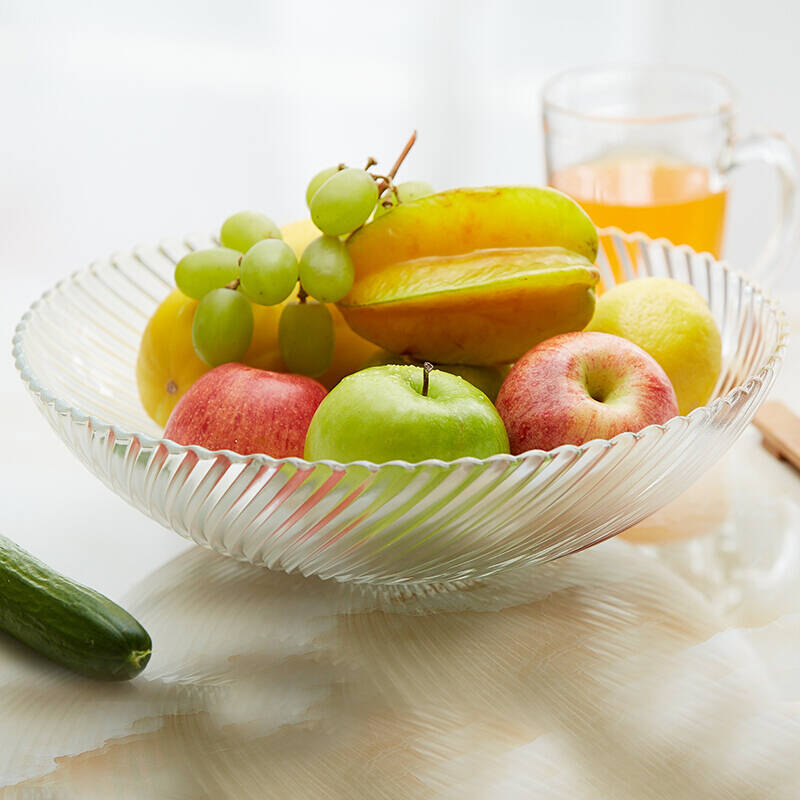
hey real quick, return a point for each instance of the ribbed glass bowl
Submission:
(433, 521)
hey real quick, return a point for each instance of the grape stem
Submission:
(302, 294)
(234, 284)
(386, 181)
(427, 367)
(387, 201)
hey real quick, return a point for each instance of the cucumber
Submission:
(70, 624)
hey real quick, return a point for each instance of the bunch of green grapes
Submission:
(341, 199)
(255, 264)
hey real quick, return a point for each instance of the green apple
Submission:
(488, 379)
(406, 413)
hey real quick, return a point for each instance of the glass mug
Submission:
(651, 149)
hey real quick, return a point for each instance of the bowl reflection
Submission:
(601, 675)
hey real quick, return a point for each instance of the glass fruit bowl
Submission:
(398, 522)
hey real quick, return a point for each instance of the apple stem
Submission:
(302, 294)
(427, 367)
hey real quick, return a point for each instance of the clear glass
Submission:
(652, 149)
(429, 522)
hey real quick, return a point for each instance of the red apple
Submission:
(247, 410)
(581, 386)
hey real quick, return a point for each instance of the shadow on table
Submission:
(600, 675)
(734, 535)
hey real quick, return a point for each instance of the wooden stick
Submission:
(780, 431)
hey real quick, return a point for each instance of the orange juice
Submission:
(658, 197)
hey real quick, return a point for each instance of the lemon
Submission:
(673, 323)
(298, 235)
(167, 364)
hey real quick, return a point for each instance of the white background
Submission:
(122, 123)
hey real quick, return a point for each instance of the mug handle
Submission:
(782, 245)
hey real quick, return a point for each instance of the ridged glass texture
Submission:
(398, 522)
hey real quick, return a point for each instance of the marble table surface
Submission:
(662, 664)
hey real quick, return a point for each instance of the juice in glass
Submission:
(661, 198)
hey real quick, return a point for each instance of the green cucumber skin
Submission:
(67, 622)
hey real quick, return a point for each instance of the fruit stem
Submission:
(402, 156)
(386, 181)
(386, 201)
(371, 162)
(234, 284)
(427, 367)
(301, 294)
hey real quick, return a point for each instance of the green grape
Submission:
(326, 269)
(317, 181)
(410, 190)
(241, 231)
(306, 338)
(268, 272)
(197, 273)
(344, 202)
(222, 328)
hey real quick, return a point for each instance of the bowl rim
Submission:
(48, 397)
